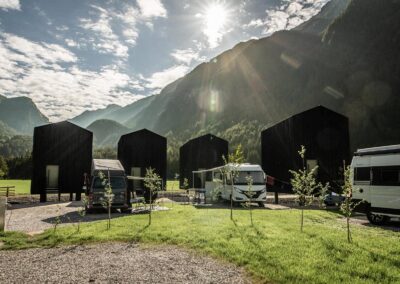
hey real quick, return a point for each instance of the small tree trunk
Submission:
(150, 210)
(231, 198)
(251, 215)
(302, 220)
(109, 216)
(79, 225)
(348, 230)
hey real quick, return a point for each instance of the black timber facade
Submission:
(143, 149)
(325, 135)
(66, 147)
(203, 152)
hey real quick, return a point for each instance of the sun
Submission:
(215, 17)
(215, 21)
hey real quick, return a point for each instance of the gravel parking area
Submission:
(114, 263)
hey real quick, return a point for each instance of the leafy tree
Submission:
(153, 183)
(231, 170)
(108, 195)
(82, 210)
(20, 167)
(348, 205)
(3, 167)
(247, 204)
(104, 153)
(305, 185)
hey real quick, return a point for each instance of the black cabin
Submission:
(203, 152)
(62, 153)
(140, 150)
(323, 132)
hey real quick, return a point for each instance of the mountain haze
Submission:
(106, 132)
(21, 114)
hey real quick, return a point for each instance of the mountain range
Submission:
(346, 58)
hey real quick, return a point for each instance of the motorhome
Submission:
(216, 182)
(376, 181)
(115, 174)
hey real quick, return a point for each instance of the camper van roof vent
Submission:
(390, 149)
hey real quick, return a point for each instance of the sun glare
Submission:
(215, 18)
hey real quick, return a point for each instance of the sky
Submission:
(69, 56)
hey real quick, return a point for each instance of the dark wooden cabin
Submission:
(140, 150)
(323, 132)
(62, 153)
(203, 152)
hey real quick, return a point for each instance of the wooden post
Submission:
(43, 197)
(276, 197)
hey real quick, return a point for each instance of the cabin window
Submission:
(386, 176)
(362, 174)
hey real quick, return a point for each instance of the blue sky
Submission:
(76, 55)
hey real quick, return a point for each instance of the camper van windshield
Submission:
(116, 182)
(258, 178)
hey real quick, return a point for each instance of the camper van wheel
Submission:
(261, 204)
(377, 219)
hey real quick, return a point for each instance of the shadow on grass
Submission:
(226, 206)
(74, 217)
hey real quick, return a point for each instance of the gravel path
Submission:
(114, 263)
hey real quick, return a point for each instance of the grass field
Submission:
(273, 250)
(24, 186)
(21, 186)
(172, 185)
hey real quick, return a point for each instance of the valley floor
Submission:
(272, 249)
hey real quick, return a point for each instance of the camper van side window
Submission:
(386, 175)
(361, 174)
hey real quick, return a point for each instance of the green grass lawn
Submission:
(22, 186)
(172, 185)
(273, 250)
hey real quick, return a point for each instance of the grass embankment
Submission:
(22, 186)
(273, 250)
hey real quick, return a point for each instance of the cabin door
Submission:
(52, 176)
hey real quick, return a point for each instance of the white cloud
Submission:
(49, 74)
(255, 23)
(161, 79)
(185, 55)
(10, 5)
(289, 15)
(152, 8)
(71, 42)
(105, 41)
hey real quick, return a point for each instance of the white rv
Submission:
(376, 180)
(216, 183)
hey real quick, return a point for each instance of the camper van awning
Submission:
(241, 167)
(378, 150)
(142, 178)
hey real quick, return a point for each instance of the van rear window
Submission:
(116, 182)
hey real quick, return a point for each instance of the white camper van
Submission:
(376, 180)
(215, 183)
